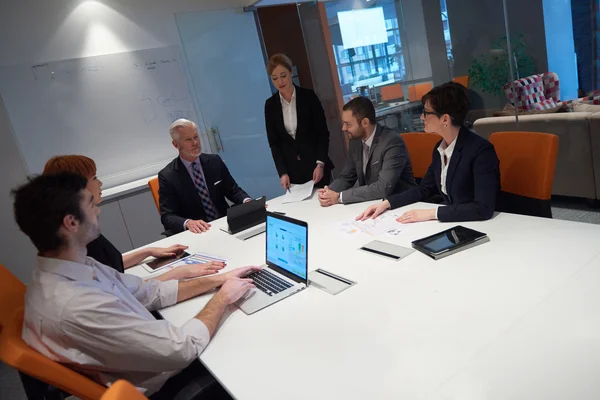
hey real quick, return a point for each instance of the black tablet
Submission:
(158, 263)
(449, 241)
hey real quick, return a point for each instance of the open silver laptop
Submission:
(286, 270)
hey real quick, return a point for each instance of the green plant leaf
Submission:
(491, 72)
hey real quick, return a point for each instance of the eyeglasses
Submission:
(427, 113)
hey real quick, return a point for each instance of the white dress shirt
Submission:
(368, 143)
(97, 321)
(445, 152)
(290, 114)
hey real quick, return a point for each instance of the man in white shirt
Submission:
(377, 164)
(94, 319)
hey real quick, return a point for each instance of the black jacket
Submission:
(103, 251)
(179, 199)
(298, 158)
(473, 181)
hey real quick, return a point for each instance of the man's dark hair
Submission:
(43, 202)
(450, 98)
(361, 108)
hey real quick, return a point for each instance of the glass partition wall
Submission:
(528, 66)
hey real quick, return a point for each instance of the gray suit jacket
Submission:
(389, 170)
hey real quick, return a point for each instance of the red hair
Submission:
(76, 164)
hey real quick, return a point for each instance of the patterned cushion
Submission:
(568, 104)
(551, 86)
(528, 90)
(544, 104)
(594, 93)
(593, 99)
(508, 90)
(534, 89)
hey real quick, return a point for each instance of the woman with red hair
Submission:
(102, 250)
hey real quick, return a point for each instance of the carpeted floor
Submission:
(579, 210)
(10, 384)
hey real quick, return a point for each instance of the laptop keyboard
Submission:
(269, 283)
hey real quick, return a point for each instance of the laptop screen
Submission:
(286, 245)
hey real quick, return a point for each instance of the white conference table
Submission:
(515, 318)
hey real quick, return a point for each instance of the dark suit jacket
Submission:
(103, 251)
(312, 137)
(388, 169)
(179, 199)
(472, 183)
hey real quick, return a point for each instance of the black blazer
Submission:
(103, 251)
(298, 158)
(473, 181)
(179, 199)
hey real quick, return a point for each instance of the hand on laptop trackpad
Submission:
(249, 294)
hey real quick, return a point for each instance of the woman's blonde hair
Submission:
(277, 60)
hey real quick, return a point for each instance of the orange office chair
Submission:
(12, 295)
(392, 92)
(122, 390)
(527, 163)
(463, 80)
(16, 353)
(420, 146)
(416, 92)
(153, 184)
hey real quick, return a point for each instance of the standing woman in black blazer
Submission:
(296, 129)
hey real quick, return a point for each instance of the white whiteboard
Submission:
(114, 108)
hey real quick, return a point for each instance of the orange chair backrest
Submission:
(16, 353)
(153, 184)
(392, 92)
(463, 80)
(416, 92)
(12, 294)
(420, 146)
(527, 162)
(122, 390)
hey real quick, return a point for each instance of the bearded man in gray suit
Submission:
(377, 164)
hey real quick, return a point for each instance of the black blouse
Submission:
(103, 251)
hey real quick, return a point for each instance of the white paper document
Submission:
(384, 224)
(299, 192)
(197, 258)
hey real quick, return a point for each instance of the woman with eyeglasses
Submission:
(464, 167)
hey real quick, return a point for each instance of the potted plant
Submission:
(491, 72)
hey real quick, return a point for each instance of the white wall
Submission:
(16, 251)
(37, 31)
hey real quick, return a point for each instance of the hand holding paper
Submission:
(299, 192)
